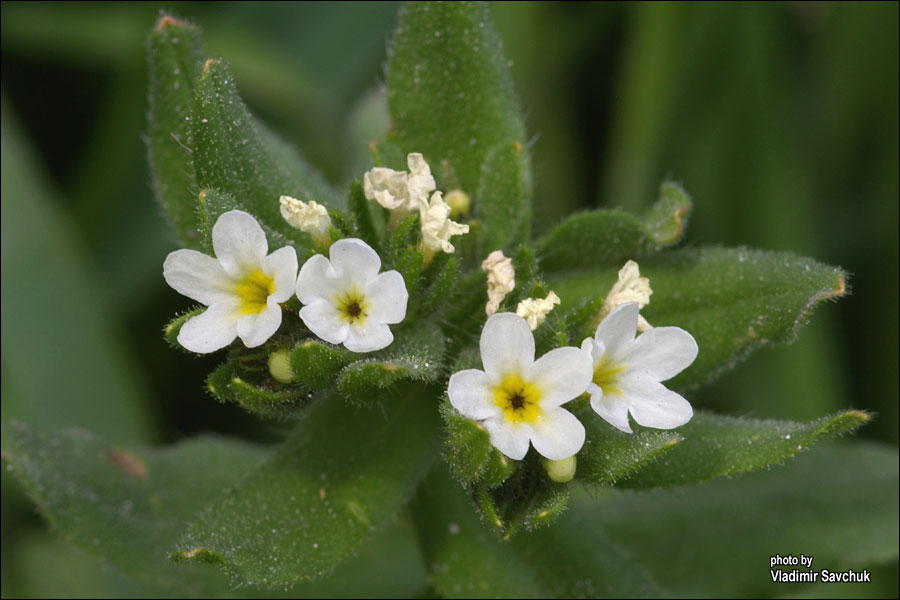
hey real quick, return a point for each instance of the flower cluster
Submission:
(347, 301)
(519, 399)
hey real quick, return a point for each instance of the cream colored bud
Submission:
(280, 366)
(437, 228)
(535, 310)
(630, 287)
(459, 202)
(310, 218)
(561, 471)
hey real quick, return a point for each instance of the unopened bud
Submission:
(280, 366)
(560, 471)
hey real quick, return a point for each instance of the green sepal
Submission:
(316, 364)
(361, 211)
(720, 446)
(439, 281)
(173, 328)
(469, 452)
(175, 58)
(611, 237)
(260, 395)
(233, 153)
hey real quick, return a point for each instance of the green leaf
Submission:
(342, 472)
(175, 55)
(718, 446)
(469, 452)
(126, 506)
(361, 209)
(315, 364)
(414, 355)
(838, 504)
(609, 455)
(234, 154)
(451, 98)
(611, 237)
(468, 560)
(732, 300)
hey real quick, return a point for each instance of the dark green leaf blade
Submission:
(469, 561)
(234, 154)
(719, 446)
(127, 507)
(175, 53)
(838, 504)
(732, 300)
(451, 98)
(611, 237)
(342, 472)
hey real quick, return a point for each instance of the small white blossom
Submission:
(242, 286)
(310, 218)
(628, 371)
(437, 228)
(518, 399)
(400, 191)
(501, 279)
(630, 287)
(535, 310)
(347, 301)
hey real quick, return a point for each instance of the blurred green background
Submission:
(781, 120)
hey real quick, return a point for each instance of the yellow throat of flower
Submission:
(606, 375)
(519, 400)
(353, 308)
(254, 291)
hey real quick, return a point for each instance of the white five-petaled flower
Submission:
(310, 218)
(437, 228)
(347, 301)
(501, 279)
(535, 310)
(400, 191)
(242, 286)
(628, 371)
(519, 399)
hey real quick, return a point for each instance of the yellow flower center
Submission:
(352, 306)
(254, 291)
(518, 399)
(606, 375)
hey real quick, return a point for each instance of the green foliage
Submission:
(103, 497)
(315, 363)
(341, 472)
(452, 99)
(261, 396)
(175, 58)
(732, 300)
(610, 237)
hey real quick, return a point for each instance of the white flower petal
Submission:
(386, 186)
(254, 330)
(317, 280)
(509, 438)
(353, 259)
(239, 242)
(471, 394)
(321, 318)
(281, 266)
(507, 345)
(558, 434)
(211, 330)
(368, 337)
(617, 330)
(661, 353)
(561, 375)
(198, 276)
(387, 297)
(653, 405)
(612, 409)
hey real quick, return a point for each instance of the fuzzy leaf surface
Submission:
(342, 472)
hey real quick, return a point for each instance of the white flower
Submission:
(535, 310)
(437, 228)
(400, 191)
(519, 399)
(501, 279)
(630, 287)
(628, 371)
(310, 218)
(241, 286)
(347, 301)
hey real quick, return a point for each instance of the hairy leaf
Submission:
(718, 446)
(342, 472)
